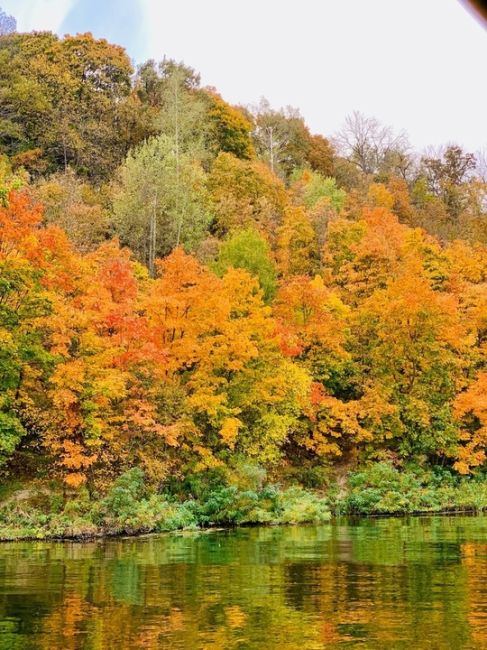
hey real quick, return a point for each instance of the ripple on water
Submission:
(385, 583)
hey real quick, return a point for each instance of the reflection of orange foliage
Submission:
(329, 633)
(65, 623)
(474, 558)
(235, 616)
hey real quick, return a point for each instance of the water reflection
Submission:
(391, 583)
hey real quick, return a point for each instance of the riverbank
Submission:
(130, 507)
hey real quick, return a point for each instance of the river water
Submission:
(412, 583)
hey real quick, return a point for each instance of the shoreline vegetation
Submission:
(211, 316)
(130, 508)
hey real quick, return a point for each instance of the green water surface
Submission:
(375, 583)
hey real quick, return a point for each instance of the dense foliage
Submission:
(185, 284)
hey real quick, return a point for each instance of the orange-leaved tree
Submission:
(237, 391)
(471, 409)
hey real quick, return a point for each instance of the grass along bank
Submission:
(246, 497)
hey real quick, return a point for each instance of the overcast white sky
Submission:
(415, 64)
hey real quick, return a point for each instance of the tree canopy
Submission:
(184, 282)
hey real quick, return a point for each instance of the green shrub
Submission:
(384, 489)
(381, 488)
(227, 505)
(128, 508)
(178, 516)
(123, 498)
(471, 495)
(298, 506)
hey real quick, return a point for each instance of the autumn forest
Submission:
(208, 304)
